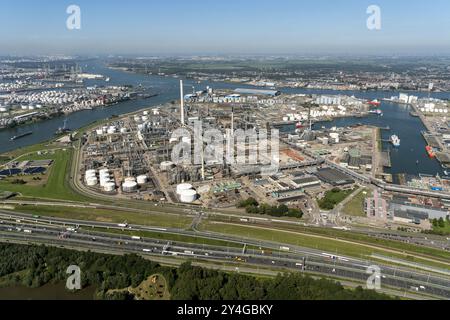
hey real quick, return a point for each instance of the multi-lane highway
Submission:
(83, 234)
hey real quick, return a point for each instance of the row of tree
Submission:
(39, 265)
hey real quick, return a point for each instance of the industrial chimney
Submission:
(182, 102)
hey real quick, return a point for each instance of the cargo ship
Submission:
(430, 151)
(395, 140)
(21, 135)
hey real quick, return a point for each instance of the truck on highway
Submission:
(27, 231)
(135, 238)
(122, 225)
(282, 248)
(146, 250)
(188, 252)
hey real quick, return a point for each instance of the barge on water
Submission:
(21, 135)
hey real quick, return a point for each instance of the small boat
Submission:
(395, 140)
(63, 130)
(378, 112)
(374, 103)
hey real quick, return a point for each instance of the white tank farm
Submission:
(142, 180)
(166, 166)
(183, 187)
(129, 186)
(91, 182)
(188, 196)
(109, 187)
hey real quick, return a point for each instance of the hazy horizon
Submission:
(177, 27)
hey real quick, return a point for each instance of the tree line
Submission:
(35, 266)
(252, 206)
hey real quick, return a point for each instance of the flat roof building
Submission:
(272, 93)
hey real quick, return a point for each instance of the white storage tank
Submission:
(90, 172)
(130, 179)
(109, 187)
(91, 182)
(123, 130)
(188, 196)
(166, 165)
(129, 186)
(183, 187)
(142, 180)
(104, 182)
(112, 130)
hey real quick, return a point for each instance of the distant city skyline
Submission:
(225, 27)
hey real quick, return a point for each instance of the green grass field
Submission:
(54, 184)
(333, 198)
(355, 207)
(320, 243)
(113, 216)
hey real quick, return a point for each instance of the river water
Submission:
(396, 116)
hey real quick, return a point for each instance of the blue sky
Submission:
(225, 27)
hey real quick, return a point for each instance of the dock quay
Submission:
(386, 159)
(431, 140)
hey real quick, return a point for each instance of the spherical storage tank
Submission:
(129, 186)
(183, 187)
(188, 196)
(142, 179)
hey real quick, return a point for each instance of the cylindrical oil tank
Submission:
(188, 196)
(104, 182)
(91, 172)
(129, 186)
(166, 165)
(109, 187)
(142, 179)
(183, 187)
(130, 179)
(91, 182)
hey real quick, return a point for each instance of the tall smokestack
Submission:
(182, 102)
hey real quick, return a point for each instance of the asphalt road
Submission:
(61, 232)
